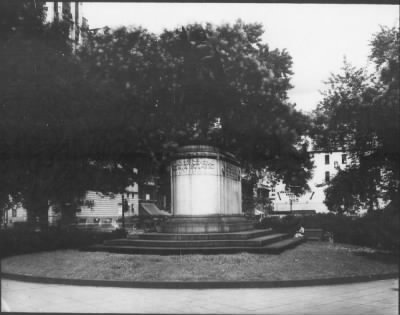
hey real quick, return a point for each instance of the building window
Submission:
(327, 175)
(14, 212)
(344, 158)
(326, 158)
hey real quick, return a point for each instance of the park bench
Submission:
(313, 234)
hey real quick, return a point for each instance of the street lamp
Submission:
(125, 206)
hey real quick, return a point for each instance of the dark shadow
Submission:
(384, 257)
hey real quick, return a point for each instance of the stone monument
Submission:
(206, 194)
(207, 216)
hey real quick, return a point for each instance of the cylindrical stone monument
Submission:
(206, 193)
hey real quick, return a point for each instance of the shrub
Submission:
(379, 229)
(287, 224)
(24, 241)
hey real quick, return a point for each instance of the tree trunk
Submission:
(44, 219)
(37, 211)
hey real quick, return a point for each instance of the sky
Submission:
(317, 36)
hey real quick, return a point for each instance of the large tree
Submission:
(71, 123)
(208, 85)
(360, 114)
(54, 122)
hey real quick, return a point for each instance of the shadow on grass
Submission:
(383, 257)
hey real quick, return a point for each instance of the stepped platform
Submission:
(252, 241)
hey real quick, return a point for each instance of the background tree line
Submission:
(360, 113)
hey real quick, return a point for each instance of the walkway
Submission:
(376, 297)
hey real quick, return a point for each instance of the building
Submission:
(107, 209)
(99, 209)
(72, 13)
(326, 165)
(11, 217)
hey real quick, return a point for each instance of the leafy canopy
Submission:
(128, 98)
(217, 85)
(360, 114)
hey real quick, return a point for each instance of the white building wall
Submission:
(104, 206)
(55, 9)
(109, 206)
(314, 199)
(18, 214)
(54, 216)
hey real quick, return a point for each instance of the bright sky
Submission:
(317, 36)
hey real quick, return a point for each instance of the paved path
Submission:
(376, 297)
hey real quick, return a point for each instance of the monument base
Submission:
(207, 224)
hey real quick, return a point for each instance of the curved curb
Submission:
(199, 284)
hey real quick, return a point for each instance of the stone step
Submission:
(278, 247)
(274, 248)
(202, 236)
(253, 242)
(271, 238)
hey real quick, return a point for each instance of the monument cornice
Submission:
(205, 151)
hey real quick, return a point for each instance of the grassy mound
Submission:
(312, 260)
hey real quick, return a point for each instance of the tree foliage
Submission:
(54, 120)
(215, 85)
(360, 114)
(77, 122)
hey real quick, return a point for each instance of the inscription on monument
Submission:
(201, 166)
(231, 171)
(194, 166)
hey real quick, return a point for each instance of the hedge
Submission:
(24, 241)
(379, 229)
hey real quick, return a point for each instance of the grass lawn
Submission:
(310, 260)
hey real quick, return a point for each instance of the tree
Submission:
(54, 122)
(360, 114)
(23, 80)
(25, 18)
(207, 85)
(71, 123)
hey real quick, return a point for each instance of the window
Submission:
(344, 158)
(326, 158)
(14, 212)
(327, 175)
